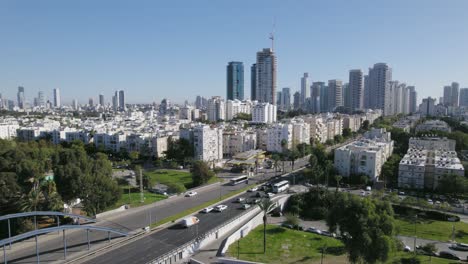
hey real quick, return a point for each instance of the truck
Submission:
(190, 221)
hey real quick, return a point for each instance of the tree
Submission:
(347, 132)
(390, 170)
(293, 156)
(291, 219)
(430, 249)
(338, 138)
(201, 173)
(265, 205)
(178, 150)
(276, 158)
(367, 225)
(453, 184)
(365, 125)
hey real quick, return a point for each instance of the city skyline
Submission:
(139, 55)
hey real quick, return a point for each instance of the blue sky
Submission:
(178, 49)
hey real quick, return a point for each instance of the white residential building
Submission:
(8, 130)
(279, 137)
(82, 136)
(234, 107)
(216, 109)
(159, 145)
(365, 156)
(301, 132)
(208, 143)
(264, 113)
(235, 142)
(185, 112)
(110, 141)
(436, 125)
(427, 161)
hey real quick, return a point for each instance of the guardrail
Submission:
(199, 238)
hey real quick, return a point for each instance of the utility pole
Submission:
(142, 197)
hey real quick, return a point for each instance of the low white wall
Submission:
(235, 261)
(111, 212)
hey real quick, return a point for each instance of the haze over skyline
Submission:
(180, 49)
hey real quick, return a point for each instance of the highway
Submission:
(51, 245)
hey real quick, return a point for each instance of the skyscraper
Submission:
(216, 109)
(57, 102)
(305, 88)
(412, 98)
(101, 100)
(335, 94)
(464, 97)
(21, 97)
(235, 80)
(40, 99)
(91, 102)
(367, 98)
(447, 95)
(286, 99)
(115, 101)
(296, 100)
(121, 100)
(346, 96)
(253, 82)
(356, 89)
(379, 76)
(455, 94)
(265, 83)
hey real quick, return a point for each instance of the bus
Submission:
(280, 186)
(239, 179)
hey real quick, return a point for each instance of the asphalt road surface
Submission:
(51, 245)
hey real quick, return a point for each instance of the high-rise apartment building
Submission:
(464, 97)
(235, 80)
(216, 109)
(115, 101)
(41, 99)
(305, 92)
(101, 100)
(318, 97)
(335, 94)
(346, 96)
(451, 94)
(121, 100)
(253, 82)
(296, 100)
(427, 107)
(356, 89)
(286, 99)
(265, 83)
(412, 98)
(21, 98)
(378, 95)
(57, 101)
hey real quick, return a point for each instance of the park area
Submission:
(433, 229)
(292, 246)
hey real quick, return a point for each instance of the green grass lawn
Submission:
(133, 199)
(434, 230)
(170, 176)
(286, 246)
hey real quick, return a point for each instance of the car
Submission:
(363, 193)
(314, 230)
(254, 201)
(459, 247)
(240, 199)
(407, 248)
(401, 193)
(207, 210)
(254, 189)
(245, 206)
(190, 194)
(287, 225)
(448, 255)
(429, 201)
(328, 234)
(270, 194)
(437, 203)
(220, 208)
(368, 188)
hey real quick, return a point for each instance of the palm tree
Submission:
(266, 205)
(276, 159)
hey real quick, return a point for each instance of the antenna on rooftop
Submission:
(272, 35)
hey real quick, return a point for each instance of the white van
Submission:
(190, 221)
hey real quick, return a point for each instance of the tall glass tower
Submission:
(235, 80)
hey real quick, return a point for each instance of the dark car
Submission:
(448, 255)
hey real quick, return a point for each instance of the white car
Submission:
(429, 201)
(270, 194)
(314, 230)
(254, 189)
(190, 194)
(220, 208)
(240, 199)
(207, 210)
(363, 193)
